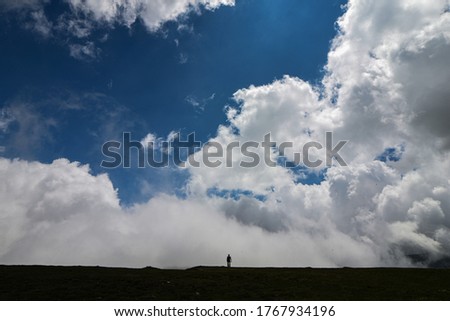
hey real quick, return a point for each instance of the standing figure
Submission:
(229, 260)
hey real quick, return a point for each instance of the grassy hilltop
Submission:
(218, 283)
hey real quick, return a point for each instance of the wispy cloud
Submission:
(86, 51)
(199, 104)
(83, 17)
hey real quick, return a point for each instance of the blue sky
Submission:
(76, 74)
(142, 81)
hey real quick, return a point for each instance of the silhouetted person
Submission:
(229, 260)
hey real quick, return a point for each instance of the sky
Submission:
(78, 74)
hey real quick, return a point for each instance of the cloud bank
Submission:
(386, 91)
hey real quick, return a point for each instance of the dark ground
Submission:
(217, 283)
